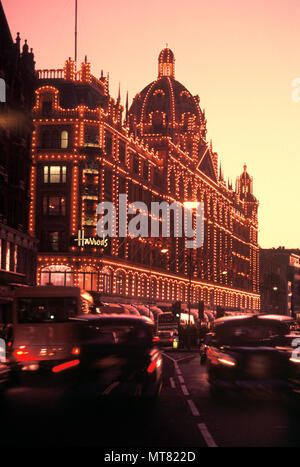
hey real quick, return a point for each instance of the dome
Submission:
(165, 106)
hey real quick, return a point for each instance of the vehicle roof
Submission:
(228, 319)
(44, 291)
(114, 317)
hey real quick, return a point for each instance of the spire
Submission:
(119, 95)
(25, 47)
(126, 109)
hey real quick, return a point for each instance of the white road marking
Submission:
(172, 382)
(110, 387)
(193, 408)
(184, 390)
(207, 436)
(202, 427)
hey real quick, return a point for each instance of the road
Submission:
(185, 416)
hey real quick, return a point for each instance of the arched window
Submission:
(64, 139)
(106, 280)
(120, 283)
(56, 274)
(88, 279)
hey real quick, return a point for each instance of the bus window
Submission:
(46, 309)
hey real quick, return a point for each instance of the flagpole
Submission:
(75, 31)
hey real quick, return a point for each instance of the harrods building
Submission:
(86, 150)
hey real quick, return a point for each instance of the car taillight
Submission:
(153, 365)
(156, 339)
(227, 360)
(76, 351)
(21, 353)
(65, 366)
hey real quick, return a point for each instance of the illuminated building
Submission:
(84, 154)
(17, 248)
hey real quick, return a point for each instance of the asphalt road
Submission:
(185, 416)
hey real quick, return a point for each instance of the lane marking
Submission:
(172, 382)
(193, 408)
(207, 436)
(184, 390)
(111, 387)
(168, 356)
(185, 358)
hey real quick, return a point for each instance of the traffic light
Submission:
(176, 309)
(201, 310)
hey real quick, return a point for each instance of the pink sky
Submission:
(239, 56)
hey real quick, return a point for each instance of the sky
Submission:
(240, 57)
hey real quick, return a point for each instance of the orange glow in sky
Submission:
(239, 56)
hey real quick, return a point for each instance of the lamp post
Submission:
(163, 251)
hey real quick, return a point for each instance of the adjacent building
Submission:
(86, 151)
(17, 247)
(280, 281)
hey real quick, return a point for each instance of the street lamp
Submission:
(163, 251)
(190, 205)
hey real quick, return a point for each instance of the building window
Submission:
(91, 136)
(64, 139)
(7, 257)
(45, 138)
(54, 241)
(56, 275)
(135, 164)
(157, 177)
(55, 174)
(122, 152)
(106, 281)
(15, 258)
(54, 206)
(88, 280)
(108, 143)
(46, 108)
(145, 170)
(120, 283)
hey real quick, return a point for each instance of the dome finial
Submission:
(166, 63)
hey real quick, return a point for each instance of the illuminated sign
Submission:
(83, 241)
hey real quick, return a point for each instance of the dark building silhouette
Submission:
(280, 281)
(17, 246)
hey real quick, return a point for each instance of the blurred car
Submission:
(252, 353)
(113, 355)
(132, 310)
(144, 311)
(118, 357)
(165, 338)
(5, 373)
